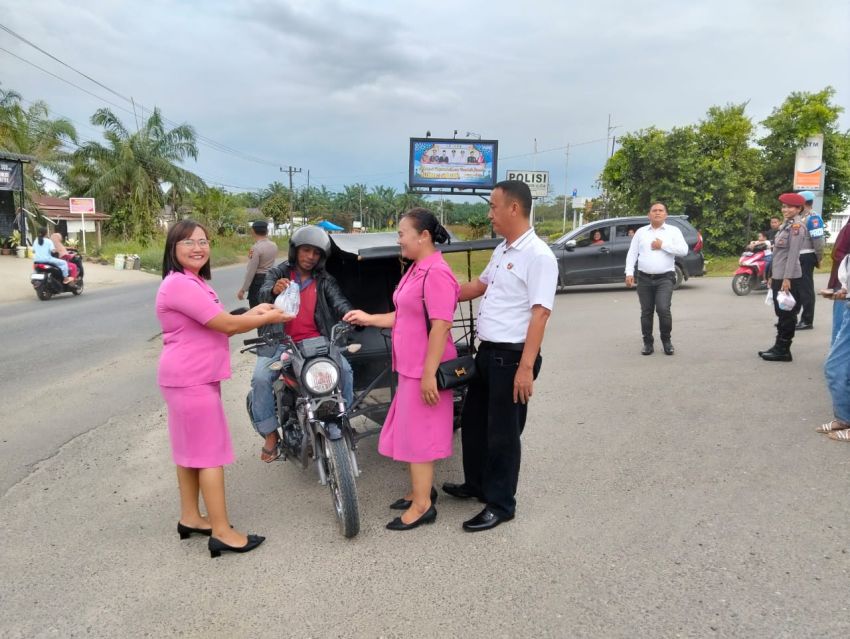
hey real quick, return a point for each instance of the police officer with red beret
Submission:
(786, 274)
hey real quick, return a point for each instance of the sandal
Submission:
(269, 456)
(835, 424)
(840, 435)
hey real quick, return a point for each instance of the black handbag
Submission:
(453, 373)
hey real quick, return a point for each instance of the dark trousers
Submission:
(492, 425)
(786, 320)
(655, 293)
(806, 287)
(254, 289)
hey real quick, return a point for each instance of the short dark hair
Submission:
(659, 202)
(518, 192)
(180, 231)
(423, 220)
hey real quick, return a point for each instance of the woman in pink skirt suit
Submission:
(195, 358)
(418, 428)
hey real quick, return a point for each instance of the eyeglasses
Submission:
(193, 243)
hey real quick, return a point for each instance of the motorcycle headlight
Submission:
(321, 376)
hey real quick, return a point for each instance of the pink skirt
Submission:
(197, 426)
(413, 431)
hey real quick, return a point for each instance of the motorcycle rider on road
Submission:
(322, 305)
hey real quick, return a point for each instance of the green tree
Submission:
(801, 115)
(218, 210)
(33, 132)
(708, 171)
(127, 174)
(276, 206)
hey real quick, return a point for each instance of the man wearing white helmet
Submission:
(810, 258)
(322, 305)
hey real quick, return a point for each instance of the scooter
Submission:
(750, 276)
(47, 279)
(313, 423)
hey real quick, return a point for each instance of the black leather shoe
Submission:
(217, 546)
(461, 491)
(804, 326)
(668, 347)
(428, 517)
(186, 531)
(648, 349)
(404, 504)
(485, 520)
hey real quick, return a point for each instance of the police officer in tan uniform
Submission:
(787, 274)
(261, 258)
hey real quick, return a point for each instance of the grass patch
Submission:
(225, 250)
(459, 265)
(726, 265)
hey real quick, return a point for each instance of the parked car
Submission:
(596, 252)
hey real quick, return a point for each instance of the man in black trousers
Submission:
(652, 254)
(518, 289)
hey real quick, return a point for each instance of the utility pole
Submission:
(290, 170)
(566, 187)
(608, 154)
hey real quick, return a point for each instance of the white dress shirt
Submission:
(655, 262)
(518, 277)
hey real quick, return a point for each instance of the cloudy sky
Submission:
(338, 87)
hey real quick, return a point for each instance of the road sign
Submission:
(575, 192)
(538, 181)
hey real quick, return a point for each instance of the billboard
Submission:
(808, 166)
(448, 163)
(537, 181)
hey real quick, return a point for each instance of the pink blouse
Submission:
(192, 354)
(410, 333)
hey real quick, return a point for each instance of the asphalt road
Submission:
(660, 496)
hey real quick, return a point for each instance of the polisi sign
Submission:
(538, 181)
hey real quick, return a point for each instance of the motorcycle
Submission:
(47, 279)
(312, 421)
(752, 269)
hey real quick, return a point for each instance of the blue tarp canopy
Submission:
(329, 226)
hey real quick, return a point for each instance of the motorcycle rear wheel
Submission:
(343, 487)
(742, 284)
(44, 293)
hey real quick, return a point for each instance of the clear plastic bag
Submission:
(289, 301)
(785, 300)
(768, 300)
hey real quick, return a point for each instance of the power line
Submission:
(214, 144)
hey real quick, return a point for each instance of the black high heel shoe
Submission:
(428, 517)
(185, 532)
(217, 546)
(404, 504)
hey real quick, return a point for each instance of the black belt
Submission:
(502, 346)
(655, 276)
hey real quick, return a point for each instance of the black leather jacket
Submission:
(331, 304)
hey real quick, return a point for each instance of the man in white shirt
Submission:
(518, 289)
(653, 250)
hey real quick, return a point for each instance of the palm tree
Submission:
(32, 132)
(128, 174)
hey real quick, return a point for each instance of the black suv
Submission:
(596, 252)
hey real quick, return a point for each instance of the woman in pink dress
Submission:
(195, 358)
(418, 428)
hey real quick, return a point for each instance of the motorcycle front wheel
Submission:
(342, 485)
(742, 284)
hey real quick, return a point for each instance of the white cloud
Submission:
(337, 86)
